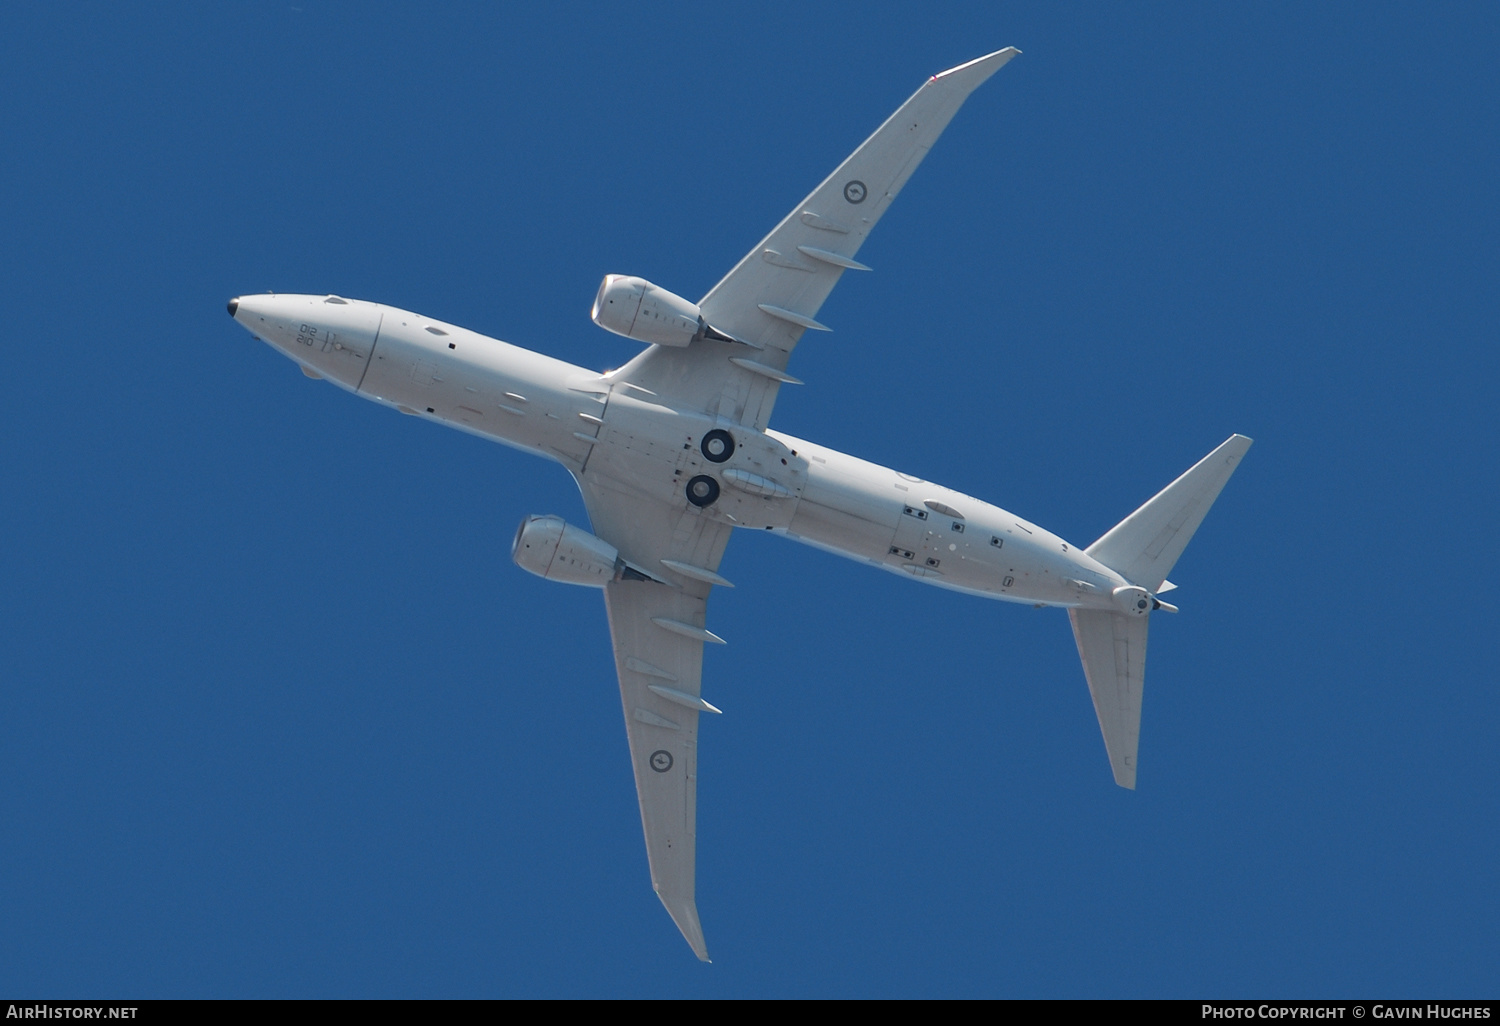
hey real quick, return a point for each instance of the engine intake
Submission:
(637, 309)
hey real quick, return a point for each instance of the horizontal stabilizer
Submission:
(1113, 649)
(1145, 546)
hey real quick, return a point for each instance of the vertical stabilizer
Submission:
(1144, 546)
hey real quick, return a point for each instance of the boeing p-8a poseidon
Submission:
(672, 452)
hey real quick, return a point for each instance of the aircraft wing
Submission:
(774, 294)
(657, 628)
(659, 673)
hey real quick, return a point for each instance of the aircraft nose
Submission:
(234, 305)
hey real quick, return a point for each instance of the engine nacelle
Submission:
(637, 309)
(550, 547)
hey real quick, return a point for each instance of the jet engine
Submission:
(637, 309)
(550, 547)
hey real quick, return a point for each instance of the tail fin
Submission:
(1142, 548)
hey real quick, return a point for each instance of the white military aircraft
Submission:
(672, 452)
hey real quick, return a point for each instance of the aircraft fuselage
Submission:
(628, 439)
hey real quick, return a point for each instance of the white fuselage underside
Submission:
(601, 428)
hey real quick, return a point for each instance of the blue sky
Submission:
(280, 717)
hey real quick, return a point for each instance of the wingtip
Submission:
(986, 65)
(686, 918)
(1235, 446)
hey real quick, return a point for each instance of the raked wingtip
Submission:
(988, 64)
(686, 918)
